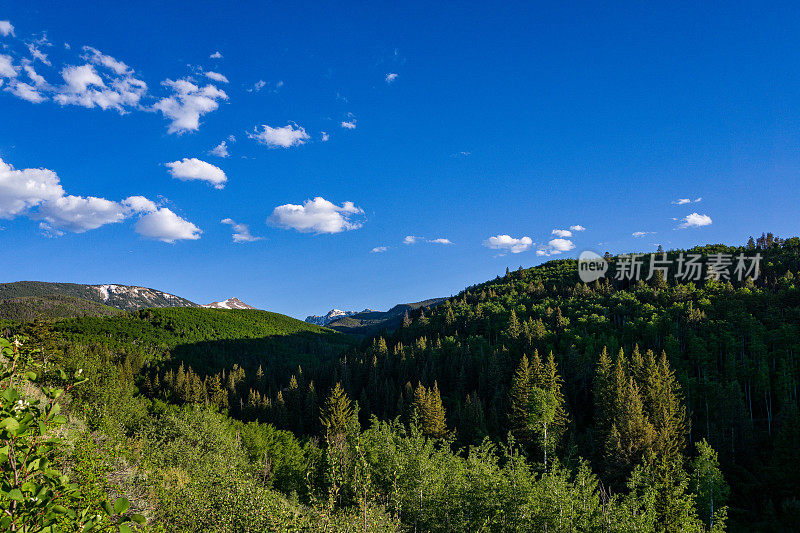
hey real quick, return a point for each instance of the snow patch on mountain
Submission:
(230, 303)
(330, 316)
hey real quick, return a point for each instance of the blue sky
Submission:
(484, 131)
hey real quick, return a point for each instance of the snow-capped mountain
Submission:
(230, 303)
(333, 314)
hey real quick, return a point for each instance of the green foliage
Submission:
(34, 495)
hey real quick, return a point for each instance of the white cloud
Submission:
(232, 138)
(258, 86)
(37, 193)
(440, 241)
(241, 232)
(187, 104)
(216, 55)
(577, 227)
(562, 233)
(114, 86)
(284, 137)
(139, 204)
(216, 76)
(26, 92)
(166, 226)
(638, 234)
(6, 28)
(507, 243)
(37, 79)
(683, 201)
(324, 136)
(36, 53)
(21, 190)
(349, 125)
(695, 220)
(391, 77)
(7, 68)
(411, 239)
(378, 250)
(220, 150)
(79, 214)
(317, 215)
(99, 58)
(195, 169)
(555, 247)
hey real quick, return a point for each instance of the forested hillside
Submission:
(53, 307)
(529, 402)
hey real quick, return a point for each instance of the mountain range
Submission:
(29, 300)
(330, 316)
(368, 321)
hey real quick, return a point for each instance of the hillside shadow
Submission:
(275, 354)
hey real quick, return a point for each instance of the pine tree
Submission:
(519, 398)
(513, 329)
(336, 412)
(429, 411)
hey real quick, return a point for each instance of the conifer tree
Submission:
(336, 412)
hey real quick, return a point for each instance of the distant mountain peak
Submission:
(230, 303)
(330, 316)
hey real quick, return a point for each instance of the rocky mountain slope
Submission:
(125, 297)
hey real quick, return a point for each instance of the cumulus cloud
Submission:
(391, 77)
(194, 169)
(317, 216)
(324, 136)
(216, 55)
(411, 239)
(165, 226)
(216, 76)
(562, 233)
(112, 85)
(349, 124)
(555, 247)
(507, 243)
(241, 232)
(6, 28)
(187, 104)
(220, 150)
(695, 220)
(37, 194)
(378, 250)
(283, 137)
(22, 190)
(139, 204)
(79, 214)
(577, 227)
(440, 241)
(638, 234)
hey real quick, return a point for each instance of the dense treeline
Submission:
(727, 348)
(532, 401)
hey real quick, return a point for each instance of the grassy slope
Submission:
(210, 339)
